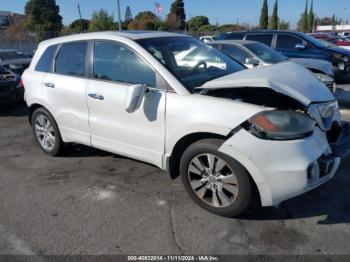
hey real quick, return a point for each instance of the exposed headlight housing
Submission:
(324, 113)
(280, 125)
(346, 59)
(324, 78)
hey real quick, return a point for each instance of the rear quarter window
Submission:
(45, 61)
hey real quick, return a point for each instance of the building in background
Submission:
(8, 18)
(333, 28)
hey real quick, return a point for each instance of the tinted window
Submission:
(234, 36)
(235, 52)
(262, 38)
(71, 59)
(287, 41)
(45, 60)
(115, 62)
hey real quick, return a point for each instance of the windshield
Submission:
(9, 55)
(189, 60)
(326, 43)
(265, 53)
(317, 42)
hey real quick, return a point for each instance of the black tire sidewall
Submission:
(58, 143)
(245, 190)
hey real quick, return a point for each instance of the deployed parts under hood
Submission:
(257, 96)
(287, 78)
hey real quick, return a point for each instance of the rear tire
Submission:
(214, 180)
(46, 132)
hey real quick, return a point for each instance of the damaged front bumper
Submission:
(285, 169)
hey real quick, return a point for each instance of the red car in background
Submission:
(338, 41)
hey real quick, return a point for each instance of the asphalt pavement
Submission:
(93, 202)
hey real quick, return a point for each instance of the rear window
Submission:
(262, 38)
(45, 61)
(71, 59)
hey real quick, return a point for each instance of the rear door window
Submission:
(287, 41)
(71, 59)
(45, 61)
(262, 38)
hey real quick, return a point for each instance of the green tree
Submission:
(283, 25)
(42, 17)
(177, 14)
(264, 17)
(101, 21)
(145, 21)
(274, 19)
(303, 21)
(80, 25)
(311, 18)
(196, 22)
(334, 20)
(206, 29)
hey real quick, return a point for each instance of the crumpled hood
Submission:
(317, 64)
(287, 78)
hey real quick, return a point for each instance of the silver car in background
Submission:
(255, 54)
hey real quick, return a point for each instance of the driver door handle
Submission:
(96, 96)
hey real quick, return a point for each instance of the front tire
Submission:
(214, 180)
(46, 132)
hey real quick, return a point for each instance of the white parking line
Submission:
(19, 246)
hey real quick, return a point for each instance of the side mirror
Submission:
(252, 61)
(133, 96)
(300, 46)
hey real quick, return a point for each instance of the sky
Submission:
(221, 11)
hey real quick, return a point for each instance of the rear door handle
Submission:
(50, 85)
(96, 96)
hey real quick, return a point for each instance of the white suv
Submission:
(229, 132)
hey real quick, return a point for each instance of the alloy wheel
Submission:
(45, 132)
(213, 180)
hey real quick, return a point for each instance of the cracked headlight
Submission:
(324, 78)
(280, 125)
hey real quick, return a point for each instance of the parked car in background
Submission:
(11, 88)
(321, 35)
(295, 44)
(207, 39)
(340, 42)
(255, 54)
(228, 131)
(15, 61)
